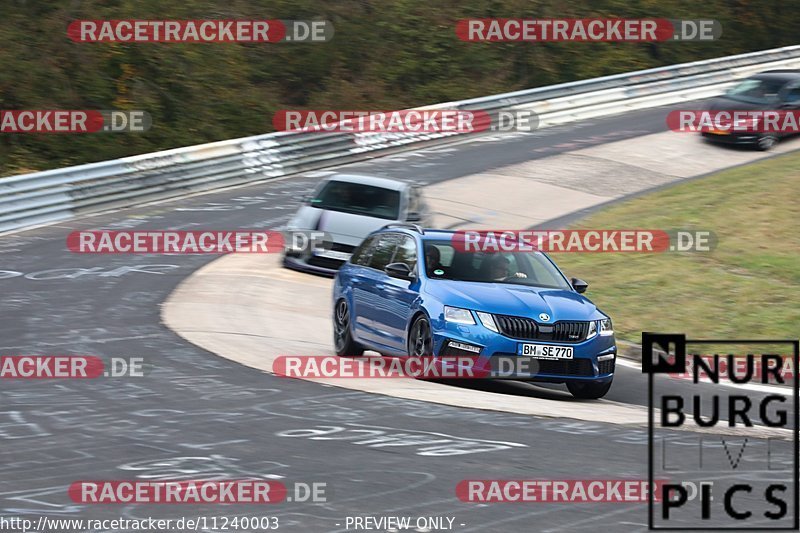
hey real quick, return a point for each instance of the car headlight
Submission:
(458, 315)
(605, 327)
(487, 320)
(592, 329)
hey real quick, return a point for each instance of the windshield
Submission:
(443, 261)
(358, 199)
(756, 91)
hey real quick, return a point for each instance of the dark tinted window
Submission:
(406, 252)
(756, 90)
(363, 253)
(416, 204)
(793, 95)
(413, 201)
(520, 268)
(438, 257)
(358, 199)
(383, 250)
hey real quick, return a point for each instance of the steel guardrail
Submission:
(45, 197)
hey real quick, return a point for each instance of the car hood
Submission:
(345, 228)
(515, 300)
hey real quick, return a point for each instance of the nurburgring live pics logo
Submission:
(746, 483)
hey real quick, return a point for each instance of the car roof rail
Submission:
(405, 225)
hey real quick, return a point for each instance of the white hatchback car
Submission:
(348, 207)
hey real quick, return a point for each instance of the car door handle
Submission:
(380, 286)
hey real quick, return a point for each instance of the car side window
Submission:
(793, 96)
(416, 205)
(406, 252)
(421, 204)
(364, 252)
(383, 250)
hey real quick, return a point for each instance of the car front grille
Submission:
(559, 367)
(525, 328)
(337, 247)
(325, 262)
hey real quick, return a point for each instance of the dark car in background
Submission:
(771, 90)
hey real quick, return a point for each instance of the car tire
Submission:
(766, 142)
(343, 341)
(588, 391)
(420, 338)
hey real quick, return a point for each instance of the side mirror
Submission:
(413, 216)
(579, 285)
(399, 271)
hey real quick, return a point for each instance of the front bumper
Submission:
(317, 264)
(593, 359)
(302, 264)
(732, 138)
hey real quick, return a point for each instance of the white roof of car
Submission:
(384, 183)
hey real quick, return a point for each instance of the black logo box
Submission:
(655, 351)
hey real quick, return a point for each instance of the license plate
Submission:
(333, 254)
(543, 351)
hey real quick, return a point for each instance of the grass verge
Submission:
(747, 287)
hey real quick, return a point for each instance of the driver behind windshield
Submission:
(500, 269)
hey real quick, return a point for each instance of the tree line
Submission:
(386, 54)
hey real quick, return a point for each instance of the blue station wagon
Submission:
(412, 292)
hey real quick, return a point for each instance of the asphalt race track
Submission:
(197, 416)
